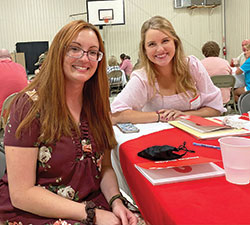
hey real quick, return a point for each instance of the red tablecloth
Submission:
(205, 201)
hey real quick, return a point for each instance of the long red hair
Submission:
(55, 117)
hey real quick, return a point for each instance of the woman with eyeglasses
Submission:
(58, 140)
(168, 84)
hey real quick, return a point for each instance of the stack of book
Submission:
(203, 128)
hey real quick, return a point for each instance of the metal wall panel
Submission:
(30, 20)
(237, 25)
(194, 27)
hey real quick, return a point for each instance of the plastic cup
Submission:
(235, 62)
(236, 159)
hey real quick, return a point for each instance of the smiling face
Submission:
(79, 71)
(160, 47)
(247, 54)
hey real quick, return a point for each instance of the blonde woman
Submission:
(168, 84)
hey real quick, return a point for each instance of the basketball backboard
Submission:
(105, 12)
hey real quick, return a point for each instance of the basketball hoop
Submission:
(106, 19)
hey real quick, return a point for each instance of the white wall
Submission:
(33, 20)
(237, 25)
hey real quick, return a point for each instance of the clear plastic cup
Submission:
(236, 159)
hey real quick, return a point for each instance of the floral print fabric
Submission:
(70, 167)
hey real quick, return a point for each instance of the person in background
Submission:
(126, 65)
(114, 66)
(169, 84)
(13, 77)
(59, 137)
(245, 68)
(40, 62)
(216, 65)
(236, 62)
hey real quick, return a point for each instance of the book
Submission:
(200, 129)
(191, 168)
(185, 161)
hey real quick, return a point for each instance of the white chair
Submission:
(115, 81)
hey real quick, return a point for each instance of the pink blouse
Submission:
(127, 66)
(138, 94)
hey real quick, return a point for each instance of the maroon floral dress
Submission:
(70, 167)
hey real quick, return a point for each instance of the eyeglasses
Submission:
(76, 52)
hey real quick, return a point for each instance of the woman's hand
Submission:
(125, 215)
(169, 114)
(104, 217)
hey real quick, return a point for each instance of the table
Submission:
(206, 201)
(121, 138)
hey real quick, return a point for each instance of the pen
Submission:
(205, 145)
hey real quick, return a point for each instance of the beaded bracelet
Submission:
(124, 200)
(90, 210)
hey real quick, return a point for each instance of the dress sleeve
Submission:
(29, 136)
(210, 94)
(134, 96)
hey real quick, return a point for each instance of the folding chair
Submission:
(5, 105)
(226, 81)
(115, 81)
(2, 162)
(244, 102)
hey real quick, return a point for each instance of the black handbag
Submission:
(164, 152)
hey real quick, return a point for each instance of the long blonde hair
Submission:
(55, 118)
(184, 81)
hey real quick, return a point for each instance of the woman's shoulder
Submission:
(24, 100)
(140, 73)
(193, 60)
(194, 64)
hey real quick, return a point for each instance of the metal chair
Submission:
(226, 81)
(2, 161)
(5, 105)
(244, 102)
(115, 81)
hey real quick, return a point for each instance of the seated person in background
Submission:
(13, 77)
(245, 68)
(126, 65)
(60, 137)
(169, 84)
(216, 65)
(236, 62)
(113, 66)
(40, 62)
